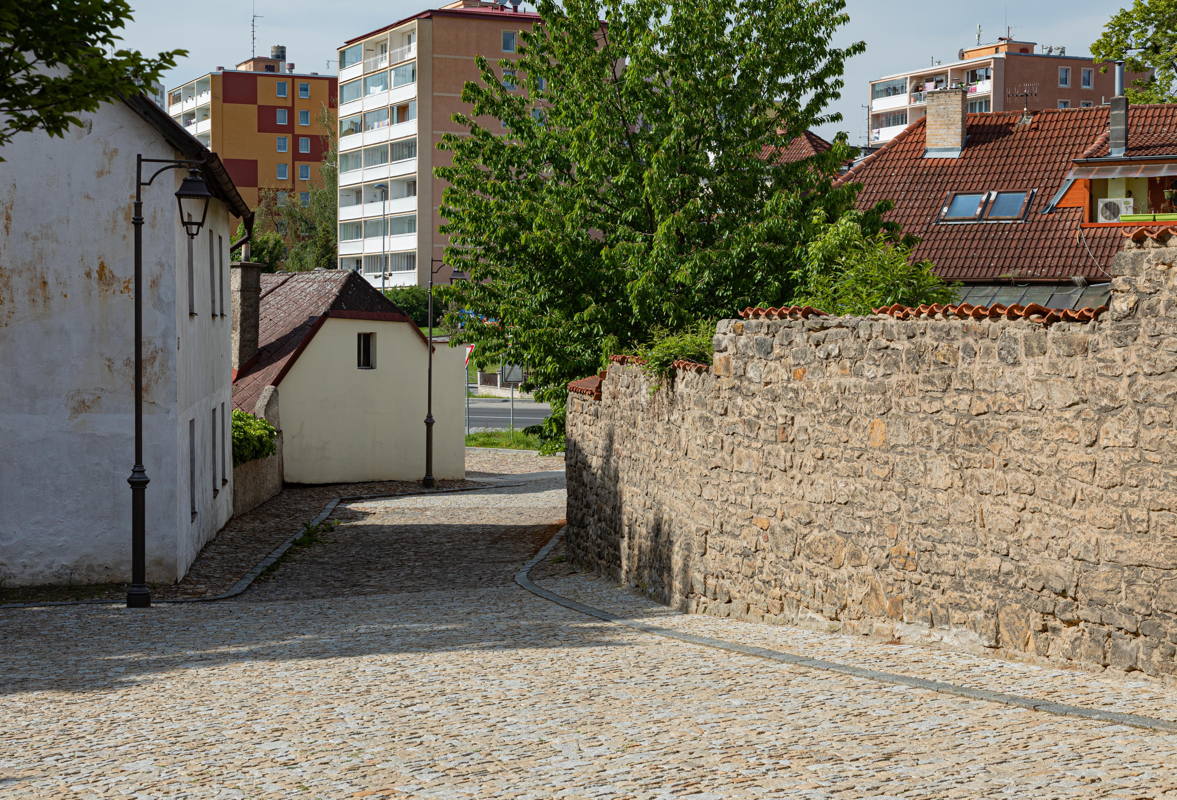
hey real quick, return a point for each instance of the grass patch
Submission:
(512, 440)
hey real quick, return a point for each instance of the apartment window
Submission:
(508, 79)
(350, 231)
(225, 438)
(350, 125)
(304, 144)
(890, 120)
(376, 119)
(350, 91)
(304, 172)
(221, 269)
(192, 467)
(1086, 104)
(351, 55)
(979, 74)
(541, 83)
(1064, 103)
(375, 156)
(283, 173)
(366, 351)
(280, 116)
(376, 83)
(406, 148)
(980, 106)
(304, 117)
(280, 88)
(405, 112)
(304, 199)
(350, 264)
(374, 265)
(373, 228)
(282, 199)
(402, 262)
(212, 429)
(191, 280)
(402, 224)
(509, 41)
(1064, 77)
(304, 89)
(351, 161)
(283, 144)
(404, 74)
(212, 274)
(888, 88)
(1087, 78)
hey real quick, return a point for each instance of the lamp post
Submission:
(428, 482)
(383, 187)
(192, 196)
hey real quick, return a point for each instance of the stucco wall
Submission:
(343, 424)
(992, 484)
(66, 349)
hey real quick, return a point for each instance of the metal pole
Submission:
(138, 594)
(512, 408)
(384, 243)
(466, 391)
(428, 481)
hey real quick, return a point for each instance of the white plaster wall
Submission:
(66, 353)
(343, 424)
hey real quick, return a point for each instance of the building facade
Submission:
(1008, 75)
(67, 349)
(268, 123)
(399, 88)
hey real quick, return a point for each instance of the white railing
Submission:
(373, 63)
(398, 54)
(981, 87)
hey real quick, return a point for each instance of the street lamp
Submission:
(192, 198)
(383, 187)
(428, 482)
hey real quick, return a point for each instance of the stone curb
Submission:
(247, 580)
(523, 578)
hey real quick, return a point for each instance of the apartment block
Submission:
(399, 88)
(1007, 75)
(265, 121)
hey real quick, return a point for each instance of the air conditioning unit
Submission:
(1110, 209)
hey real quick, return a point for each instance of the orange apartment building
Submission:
(1008, 75)
(264, 120)
(399, 88)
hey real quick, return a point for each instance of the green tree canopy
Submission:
(1145, 37)
(59, 59)
(614, 183)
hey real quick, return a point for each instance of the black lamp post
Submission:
(192, 197)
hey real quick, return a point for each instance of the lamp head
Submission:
(192, 197)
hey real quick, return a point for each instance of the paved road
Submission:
(494, 414)
(395, 658)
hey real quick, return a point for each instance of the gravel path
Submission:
(394, 658)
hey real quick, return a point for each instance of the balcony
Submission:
(378, 135)
(351, 141)
(396, 169)
(889, 103)
(350, 72)
(353, 107)
(395, 205)
(353, 247)
(981, 87)
(388, 244)
(352, 177)
(880, 135)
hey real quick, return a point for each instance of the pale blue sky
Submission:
(900, 34)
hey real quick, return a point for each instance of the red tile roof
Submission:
(590, 386)
(1032, 312)
(1003, 153)
(784, 312)
(293, 307)
(487, 12)
(804, 146)
(1152, 131)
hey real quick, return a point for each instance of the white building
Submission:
(67, 347)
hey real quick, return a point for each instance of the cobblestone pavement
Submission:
(428, 674)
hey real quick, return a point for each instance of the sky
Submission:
(900, 34)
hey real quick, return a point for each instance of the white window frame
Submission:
(366, 360)
(304, 144)
(283, 172)
(304, 89)
(281, 116)
(303, 114)
(304, 172)
(1087, 78)
(513, 37)
(1064, 103)
(1064, 77)
(282, 144)
(280, 89)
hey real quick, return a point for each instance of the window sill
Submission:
(372, 368)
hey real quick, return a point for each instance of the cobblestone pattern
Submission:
(484, 691)
(994, 484)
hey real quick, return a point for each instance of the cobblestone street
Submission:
(394, 657)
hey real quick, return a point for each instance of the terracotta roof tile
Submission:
(293, 306)
(590, 386)
(784, 312)
(1138, 235)
(624, 359)
(691, 366)
(807, 145)
(1152, 131)
(1003, 152)
(1032, 312)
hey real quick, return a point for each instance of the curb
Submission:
(247, 580)
(523, 578)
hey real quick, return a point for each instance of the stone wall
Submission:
(255, 482)
(993, 484)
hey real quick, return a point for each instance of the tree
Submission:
(612, 182)
(58, 59)
(1145, 37)
(313, 230)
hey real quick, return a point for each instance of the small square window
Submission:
(1064, 77)
(304, 144)
(1086, 104)
(509, 41)
(283, 198)
(283, 144)
(304, 117)
(280, 88)
(304, 199)
(508, 79)
(280, 117)
(283, 172)
(963, 206)
(1064, 103)
(365, 351)
(304, 89)
(1087, 78)
(304, 172)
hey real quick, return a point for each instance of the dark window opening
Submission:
(366, 351)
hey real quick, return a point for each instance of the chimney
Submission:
(245, 288)
(945, 124)
(1118, 117)
(1119, 79)
(290, 67)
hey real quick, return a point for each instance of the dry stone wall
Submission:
(992, 484)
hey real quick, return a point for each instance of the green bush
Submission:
(414, 301)
(693, 344)
(253, 437)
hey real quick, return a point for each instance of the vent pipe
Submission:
(1119, 79)
(1118, 117)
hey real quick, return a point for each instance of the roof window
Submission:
(990, 206)
(963, 206)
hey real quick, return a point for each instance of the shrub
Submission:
(693, 344)
(253, 438)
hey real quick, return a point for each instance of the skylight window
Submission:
(964, 206)
(1007, 205)
(993, 206)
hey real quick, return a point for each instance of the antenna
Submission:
(978, 34)
(254, 17)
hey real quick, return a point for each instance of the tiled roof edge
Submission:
(784, 312)
(1032, 312)
(589, 387)
(1161, 235)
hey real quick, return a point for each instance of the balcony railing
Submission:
(395, 56)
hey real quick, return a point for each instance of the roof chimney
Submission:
(290, 67)
(245, 288)
(1118, 117)
(945, 124)
(1119, 79)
